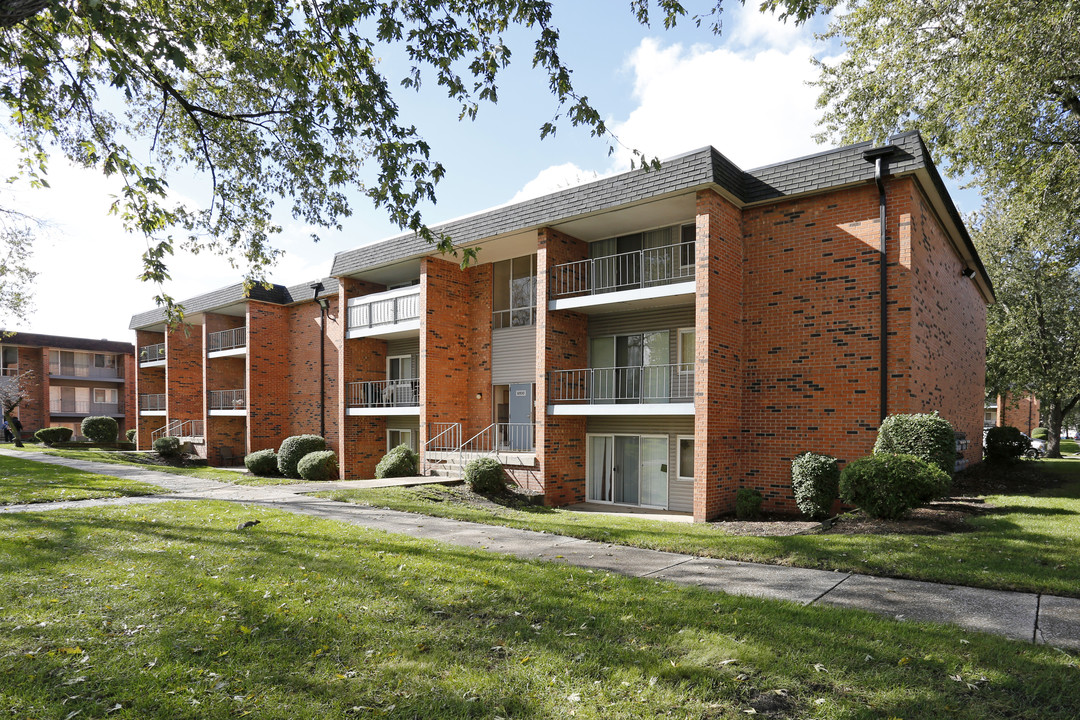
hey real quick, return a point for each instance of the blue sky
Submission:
(745, 92)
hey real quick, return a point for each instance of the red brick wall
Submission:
(267, 376)
(362, 439)
(948, 348)
(184, 373)
(128, 396)
(223, 432)
(309, 413)
(562, 344)
(1019, 412)
(718, 373)
(150, 380)
(33, 412)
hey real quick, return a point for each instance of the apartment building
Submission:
(654, 339)
(73, 378)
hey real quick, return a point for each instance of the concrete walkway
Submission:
(1029, 617)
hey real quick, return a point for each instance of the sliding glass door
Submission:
(628, 469)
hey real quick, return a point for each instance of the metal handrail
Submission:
(228, 399)
(152, 353)
(152, 401)
(180, 429)
(227, 339)
(498, 438)
(447, 437)
(641, 383)
(386, 311)
(625, 271)
(404, 392)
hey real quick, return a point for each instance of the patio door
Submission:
(628, 470)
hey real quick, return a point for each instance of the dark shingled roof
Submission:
(67, 343)
(707, 166)
(232, 294)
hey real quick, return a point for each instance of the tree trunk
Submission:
(14, 431)
(1054, 416)
(13, 12)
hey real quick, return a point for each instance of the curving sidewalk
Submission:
(1029, 617)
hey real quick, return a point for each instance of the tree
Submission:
(993, 86)
(272, 101)
(1033, 331)
(14, 390)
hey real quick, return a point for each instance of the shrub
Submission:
(167, 446)
(1040, 433)
(1005, 443)
(50, 435)
(318, 466)
(815, 479)
(399, 462)
(100, 428)
(485, 475)
(748, 504)
(262, 463)
(131, 434)
(888, 486)
(292, 451)
(927, 436)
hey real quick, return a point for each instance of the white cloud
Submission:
(554, 178)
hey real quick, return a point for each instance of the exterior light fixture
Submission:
(479, 396)
(968, 272)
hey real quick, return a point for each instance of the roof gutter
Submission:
(879, 156)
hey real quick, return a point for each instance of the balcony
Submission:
(227, 343)
(228, 402)
(9, 371)
(384, 397)
(388, 315)
(152, 404)
(643, 278)
(152, 355)
(84, 408)
(77, 371)
(638, 390)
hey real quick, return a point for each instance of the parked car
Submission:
(1037, 449)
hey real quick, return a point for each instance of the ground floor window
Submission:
(105, 396)
(395, 437)
(628, 469)
(686, 458)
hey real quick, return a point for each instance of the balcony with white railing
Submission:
(152, 404)
(637, 390)
(390, 314)
(64, 370)
(660, 275)
(152, 355)
(227, 343)
(383, 397)
(227, 402)
(84, 408)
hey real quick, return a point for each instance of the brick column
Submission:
(147, 381)
(34, 411)
(267, 382)
(185, 393)
(362, 440)
(225, 373)
(718, 372)
(562, 344)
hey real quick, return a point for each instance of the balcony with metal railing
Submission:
(225, 343)
(64, 370)
(152, 404)
(662, 275)
(383, 397)
(227, 402)
(390, 314)
(85, 408)
(152, 355)
(636, 390)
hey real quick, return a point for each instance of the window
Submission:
(10, 363)
(396, 437)
(686, 458)
(104, 361)
(105, 396)
(686, 349)
(513, 297)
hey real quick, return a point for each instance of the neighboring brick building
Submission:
(73, 378)
(1019, 412)
(655, 338)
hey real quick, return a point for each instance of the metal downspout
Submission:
(879, 156)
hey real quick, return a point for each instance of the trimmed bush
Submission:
(485, 475)
(748, 503)
(928, 436)
(131, 435)
(1040, 433)
(1005, 443)
(815, 479)
(100, 428)
(318, 466)
(399, 462)
(168, 446)
(50, 435)
(888, 486)
(292, 451)
(262, 463)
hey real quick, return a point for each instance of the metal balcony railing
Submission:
(384, 393)
(179, 429)
(638, 384)
(228, 399)
(501, 438)
(83, 371)
(625, 271)
(84, 407)
(227, 339)
(385, 311)
(152, 353)
(152, 401)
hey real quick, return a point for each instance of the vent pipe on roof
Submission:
(879, 156)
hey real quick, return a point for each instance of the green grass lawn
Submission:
(25, 481)
(167, 611)
(1025, 542)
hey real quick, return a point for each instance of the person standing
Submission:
(7, 432)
